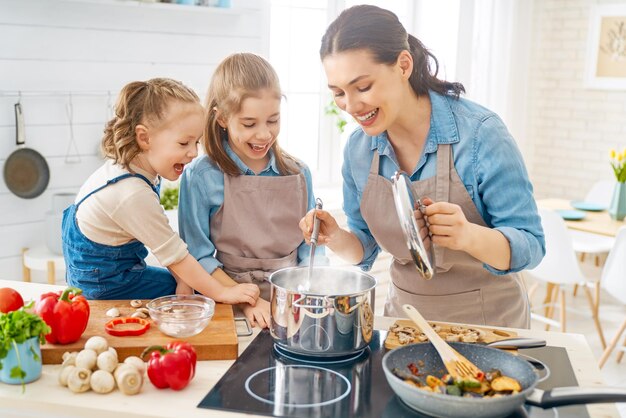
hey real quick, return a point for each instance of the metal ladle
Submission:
(314, 235)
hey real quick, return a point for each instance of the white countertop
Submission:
(45, 397)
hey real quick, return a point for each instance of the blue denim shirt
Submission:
(487, 161)
(202, 194)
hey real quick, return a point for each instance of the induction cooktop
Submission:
(268, 381)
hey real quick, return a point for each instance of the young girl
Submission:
(241, 203)
(154, 134)
(482, 217)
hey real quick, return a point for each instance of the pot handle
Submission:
(575, 396)
(327, 304)
(19, 125)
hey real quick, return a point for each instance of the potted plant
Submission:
(617, 209)
(21, 334)
(169, 201)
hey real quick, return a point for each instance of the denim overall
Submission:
(111, 272)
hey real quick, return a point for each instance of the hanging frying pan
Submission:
(26, 171)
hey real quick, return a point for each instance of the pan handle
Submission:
(575, 396)
(19, 125)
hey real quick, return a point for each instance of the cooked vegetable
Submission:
(492, 384)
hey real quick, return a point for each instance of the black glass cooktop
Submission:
(266, 381)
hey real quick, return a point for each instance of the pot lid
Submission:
(406, 202)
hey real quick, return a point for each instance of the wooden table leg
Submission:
(25, 270)
(51, 275)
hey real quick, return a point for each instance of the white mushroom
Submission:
(128, 379)
(86, 359)
(102, 381)
(114, 351)
(78, 380)
(137, 363)
(97, 344)
(64, 373)
(107, 361)
(69, 359)
(136, 303)
(113, 312)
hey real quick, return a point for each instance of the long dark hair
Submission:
(380, 32)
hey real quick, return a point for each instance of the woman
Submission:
(482, 217)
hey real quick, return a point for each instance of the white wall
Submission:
(572, 128)
(88, 48)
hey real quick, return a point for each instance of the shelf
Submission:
(164, 6)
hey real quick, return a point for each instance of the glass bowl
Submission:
(181, 315)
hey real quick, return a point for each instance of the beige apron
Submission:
(461, 290)
(256, 230)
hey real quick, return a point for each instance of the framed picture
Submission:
(606, 52)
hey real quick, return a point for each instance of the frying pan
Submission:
(426, 358)
(26, 171)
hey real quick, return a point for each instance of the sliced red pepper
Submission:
(110, 327)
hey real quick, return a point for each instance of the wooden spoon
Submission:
(457, 365)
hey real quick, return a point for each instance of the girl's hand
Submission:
(328, 226)
(259, 314)
(448, 225)
(183, 288)
(241, 293)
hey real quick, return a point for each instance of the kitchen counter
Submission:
(45, 397)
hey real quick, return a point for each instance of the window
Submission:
(297, 27)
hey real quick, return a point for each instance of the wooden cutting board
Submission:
(218, 341)
(487, 334)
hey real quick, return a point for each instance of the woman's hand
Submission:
(240, 293)
(448, 225)
(259, 314)
(328, 226)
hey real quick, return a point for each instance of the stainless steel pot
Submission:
(330, 316)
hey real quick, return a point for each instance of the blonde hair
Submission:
(236, 78)
(140, 102)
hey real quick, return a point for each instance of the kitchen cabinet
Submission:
(46, 398)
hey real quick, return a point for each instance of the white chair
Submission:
(594, 244)
(558, 269)
(614, 283)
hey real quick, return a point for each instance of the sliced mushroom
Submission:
(113, 312)
(136, 303)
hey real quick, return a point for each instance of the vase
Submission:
(617, 209)
(29, 353)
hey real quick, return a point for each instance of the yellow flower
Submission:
(612, 154)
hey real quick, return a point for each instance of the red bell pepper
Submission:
(66, 313)
(171, 366)
(112, 328)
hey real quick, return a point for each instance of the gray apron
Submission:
(256, 230)
(461, 290)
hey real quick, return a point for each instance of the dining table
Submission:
(45, 397)
(595, 222)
